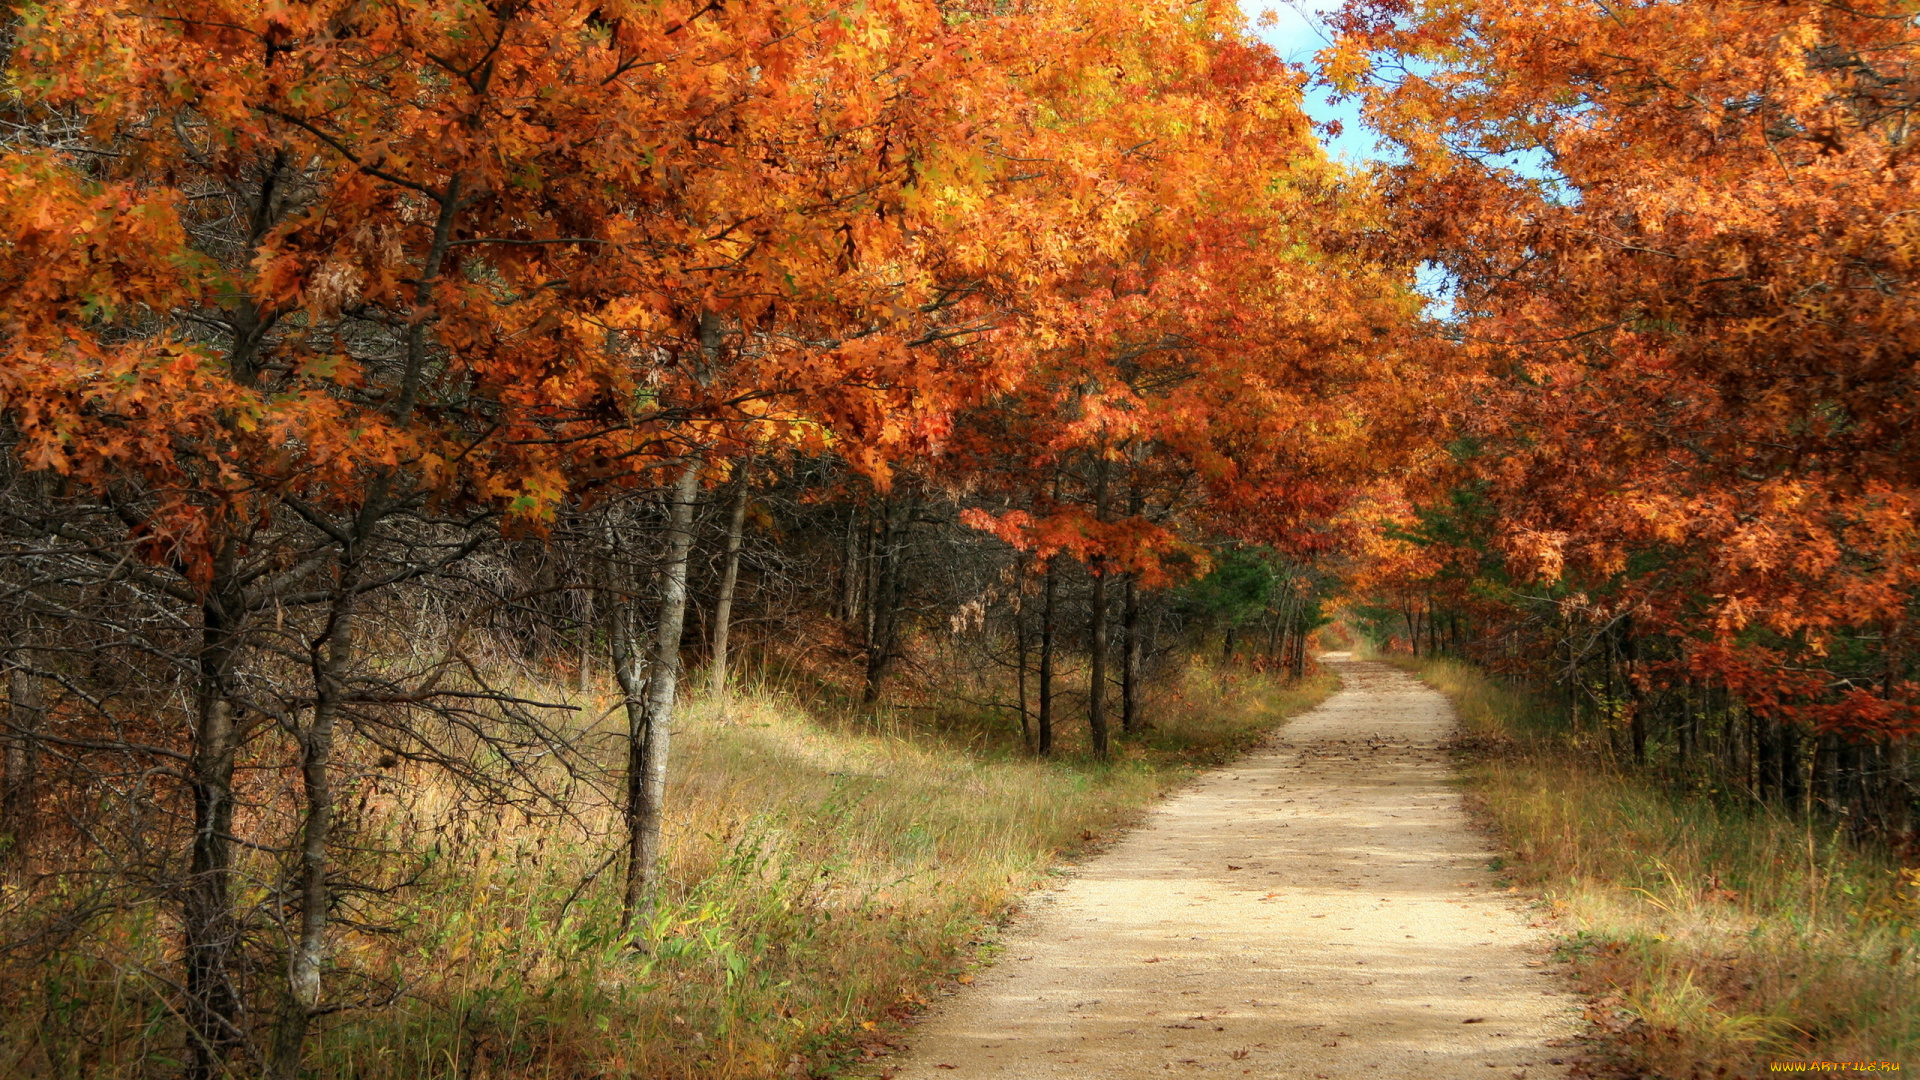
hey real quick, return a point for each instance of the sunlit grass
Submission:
(828, 873)
(1731, 933)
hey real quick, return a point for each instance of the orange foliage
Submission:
(1681, 244)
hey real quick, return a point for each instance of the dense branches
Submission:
(366, 363)
(1684, 313)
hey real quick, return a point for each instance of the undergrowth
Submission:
(1716, 935)
(828, 873)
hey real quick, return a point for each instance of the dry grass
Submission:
(829, 874)
(1715, 935)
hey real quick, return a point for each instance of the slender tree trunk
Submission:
(1750, 765)
(1130, 657)
(1899, 790)
(1132, 646)
(1732, 766)
(630, 672)
(1097, 676)
(1826, 756)
(1281, 649)
(208, 922)
(1636, 703)
(1792, 771)
(1299, 630)
(1773, 765)
(1048, 592)
(1292, 642)
(1684, 736)
(1874, 788)
(332, 657)
(586, 640)
(871, 601)
(1277, 634)
(26, 713)
(650, 728)
(1848, 761)
(1899, 766)
(883, 604)
(1020, 675)
(209, 926)
(723, 611)
(851, 572)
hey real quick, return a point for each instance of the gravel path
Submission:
(1321, 909)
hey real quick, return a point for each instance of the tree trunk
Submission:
(1045, 725)
(870, 582)
(1293, 643)
(1899, 767)
(851, 572)
(1899, 790)
(650, 727)
(209, 927)
(630, 672)
(723, 611)
(26, 711)
(1624, 653)
(1299, 669)
(1848, 783)
(586, 640)
(332, 656)
(1131, 646)
(1826, 758)
(1689, 733)
(1020, 659)
(883, 605)
(1277, 634)
(1792, 772)
(1749, 746)
(1130, 657)
(1097, 676)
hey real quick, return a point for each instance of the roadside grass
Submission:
(829, 873)
(1715, 935)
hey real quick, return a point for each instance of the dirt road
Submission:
(1322, 909)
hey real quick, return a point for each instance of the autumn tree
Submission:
(291, 286)
(1676, 246)
(1224, 366)
(325, 322)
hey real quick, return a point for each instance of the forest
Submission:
(547, 538)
